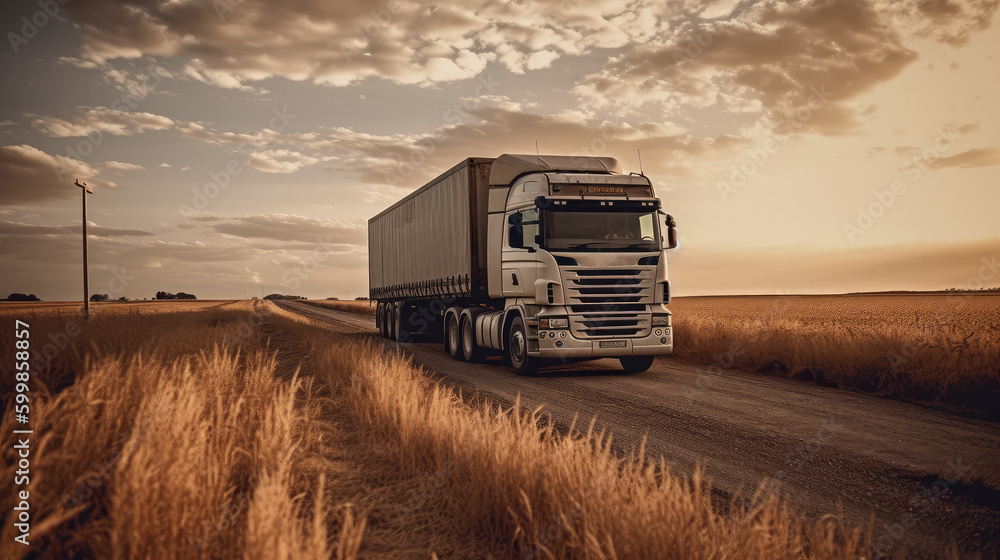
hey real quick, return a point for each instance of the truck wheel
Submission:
(636, 364)
(471, 351)
(381, 322)
(400, 332)
(517, 349)
(389, 322)
(453, 338)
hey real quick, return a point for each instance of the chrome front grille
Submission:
(609, 302)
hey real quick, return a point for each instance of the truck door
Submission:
(520, 249)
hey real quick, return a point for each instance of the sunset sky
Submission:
(810, 147)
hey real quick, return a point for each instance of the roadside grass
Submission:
(942, 351)
(509, 476)
(361, 307)
(169, 436)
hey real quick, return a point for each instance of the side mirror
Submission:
(671, 232)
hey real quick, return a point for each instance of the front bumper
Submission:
(658, 342)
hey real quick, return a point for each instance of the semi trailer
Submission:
(536, 258)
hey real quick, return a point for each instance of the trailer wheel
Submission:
(636, 364)
(471, 351)
(453, 338)
(381, 321)
(517, 349)
(390, 321)
(402, 334)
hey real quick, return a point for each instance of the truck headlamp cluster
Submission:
(553, 323)
(661, 319)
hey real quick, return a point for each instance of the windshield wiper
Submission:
(640, 245)
(588, 244)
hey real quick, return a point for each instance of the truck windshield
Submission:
(601, 231)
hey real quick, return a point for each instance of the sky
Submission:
(238, 147)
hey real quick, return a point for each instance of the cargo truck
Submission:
(536, 258)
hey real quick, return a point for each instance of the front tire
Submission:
(517, 349)
(636, 364)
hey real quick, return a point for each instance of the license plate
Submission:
(613, 344)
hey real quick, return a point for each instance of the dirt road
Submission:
(910, 469)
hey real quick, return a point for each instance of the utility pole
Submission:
(86, 276)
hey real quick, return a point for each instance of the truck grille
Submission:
(609, 302)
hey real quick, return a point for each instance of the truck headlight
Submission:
(553, 323)
(661, 319)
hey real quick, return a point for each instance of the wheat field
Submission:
(168, 435)
(206, 435)
(942, 350)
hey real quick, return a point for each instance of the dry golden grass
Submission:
(937, 349)
(169, 436)
(364, 307)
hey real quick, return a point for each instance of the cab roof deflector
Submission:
(508, 167)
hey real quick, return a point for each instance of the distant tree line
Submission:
(282, 296)
(178, 295)
(105, 297)
(22, 297)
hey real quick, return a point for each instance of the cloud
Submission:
(788, 57)
(410, 160)
(229, 44)
(120, 166)
(102, 119)
(291, 227)
(254, 276)
(20, 228)
(197, 252)
(492, 125)
(774, 57)
(541, 59)
(947, 21)
(279, 161)
(33, 176)
(198, 71)
(976, 157)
